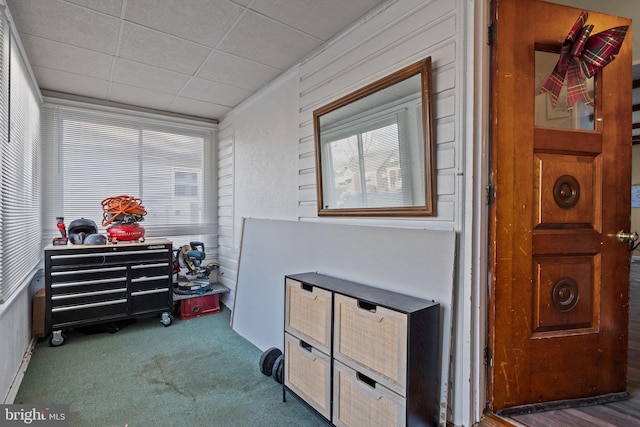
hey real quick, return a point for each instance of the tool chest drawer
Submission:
(104, 255)
(153, 269)
(94, 284)
(73, 299)
(149, 283)
(77, 315)
(150, 300)
(85, 275)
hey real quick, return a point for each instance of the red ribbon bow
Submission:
(582, 56)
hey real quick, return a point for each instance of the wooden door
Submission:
(559, 277)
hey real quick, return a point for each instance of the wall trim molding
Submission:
(17, 380)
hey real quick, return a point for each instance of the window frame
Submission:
(57, 108)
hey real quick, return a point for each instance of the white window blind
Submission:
(20, 203)
(104, 154)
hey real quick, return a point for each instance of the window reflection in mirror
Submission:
(374, 148)
(580, 117)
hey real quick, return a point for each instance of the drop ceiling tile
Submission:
(196, 108)
(216, 93)
(265, 41)
(161, 50)
(241, 2)
(61, 81)
(139, 96)
(64, 57)
(203, 21)
(321, 19)
(110, 7)
(146, 76)
(66, 23)
(231, 70)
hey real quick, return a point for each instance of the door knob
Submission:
(623, 236)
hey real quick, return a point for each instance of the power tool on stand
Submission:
(197, 277)
(63, 239)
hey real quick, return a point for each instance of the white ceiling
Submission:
(194, 57)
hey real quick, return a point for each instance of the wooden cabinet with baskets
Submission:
(360, 355)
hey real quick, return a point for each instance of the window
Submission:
(105, 154)
(186, 184)
(364, 161)
(20, 202)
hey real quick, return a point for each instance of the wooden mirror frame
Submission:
(422, 68)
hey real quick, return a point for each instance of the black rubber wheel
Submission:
(278, 369)
(267, 359)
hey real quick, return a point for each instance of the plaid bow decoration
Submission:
(582, 56)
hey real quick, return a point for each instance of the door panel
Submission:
(559, 277)
(567, 191)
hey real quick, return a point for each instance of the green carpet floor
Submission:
(196, 372)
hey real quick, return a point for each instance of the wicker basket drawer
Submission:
(360, 401)
(307, 371)
(372, 339)
(308, 313)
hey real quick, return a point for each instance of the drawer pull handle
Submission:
(369, 309)
(368, 385)
(306, 351)
(83, 306)
(87, 282)
(308, 291)
(87, 294)
(149, 291)
(149, 278)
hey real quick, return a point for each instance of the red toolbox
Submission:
(199, 306)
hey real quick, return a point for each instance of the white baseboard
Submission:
(17, 380)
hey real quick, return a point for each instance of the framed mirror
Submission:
(374, 148)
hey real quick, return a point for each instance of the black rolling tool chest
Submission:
(88, 285)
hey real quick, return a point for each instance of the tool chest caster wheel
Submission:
(57, 339)
(166, 319)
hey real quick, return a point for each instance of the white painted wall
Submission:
(398, 36)
(258, 155)
(267, 158)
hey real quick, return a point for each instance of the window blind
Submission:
(20, 201)
(105, 154)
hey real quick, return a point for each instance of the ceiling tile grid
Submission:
(194, 57)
